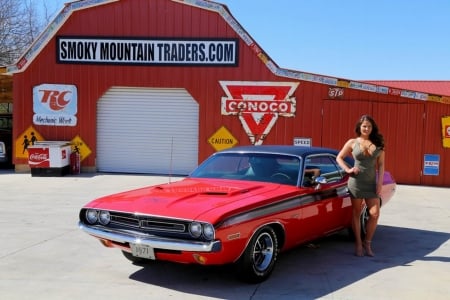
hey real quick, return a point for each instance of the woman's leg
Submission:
(357, 205)
(373, 206)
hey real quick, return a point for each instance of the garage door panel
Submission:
(147, 131)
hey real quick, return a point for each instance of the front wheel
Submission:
(258, 260)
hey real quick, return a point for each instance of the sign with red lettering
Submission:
(55, 105)
(258, 105)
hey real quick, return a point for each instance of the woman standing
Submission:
(365, 182)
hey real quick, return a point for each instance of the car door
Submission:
(331, 208)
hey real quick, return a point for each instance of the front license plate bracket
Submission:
(143, 251)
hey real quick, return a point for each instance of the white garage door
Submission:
(147, 131)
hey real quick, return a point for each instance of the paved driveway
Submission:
(43, 254)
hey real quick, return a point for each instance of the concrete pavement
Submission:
(43, 254)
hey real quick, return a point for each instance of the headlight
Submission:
(208, 231)
(195, 229)
(104, 217)
(91, 216)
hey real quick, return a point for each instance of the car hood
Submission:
(191, 198)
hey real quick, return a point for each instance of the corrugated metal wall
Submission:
(411, 127)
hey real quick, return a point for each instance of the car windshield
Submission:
(274, 168)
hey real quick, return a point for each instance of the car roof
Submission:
(281, 149)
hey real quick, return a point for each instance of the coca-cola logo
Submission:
(37, 157)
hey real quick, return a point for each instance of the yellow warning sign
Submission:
(446, 131)
(26, 139)
(78, 145)
(222, 139)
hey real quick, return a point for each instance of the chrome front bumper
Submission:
(151, 240)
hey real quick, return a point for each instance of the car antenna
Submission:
(171, 161)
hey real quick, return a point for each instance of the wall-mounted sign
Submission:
(55, 105)
(26, 139)
(258, 105)
(335, 92)
(446, 132)
(78, 145)
(431, 164)
(89, 50)
(303, 142)
(222, 139)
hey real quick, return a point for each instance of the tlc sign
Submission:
(55, 105)
(258, 105)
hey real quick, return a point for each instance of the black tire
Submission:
(363, 218)
(363, 221)
(134, 259)
(258, 260)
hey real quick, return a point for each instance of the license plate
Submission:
(143, 251)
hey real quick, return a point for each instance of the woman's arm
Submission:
(346, 151)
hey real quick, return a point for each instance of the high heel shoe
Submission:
(368, 249)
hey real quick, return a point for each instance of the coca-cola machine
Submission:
(49, 158)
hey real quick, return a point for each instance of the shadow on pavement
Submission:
(310, 271)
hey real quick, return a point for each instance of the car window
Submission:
(321, 165)
(252, 167)
(220, 166)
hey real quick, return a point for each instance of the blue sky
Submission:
(353, 39)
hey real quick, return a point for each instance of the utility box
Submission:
(49, 158)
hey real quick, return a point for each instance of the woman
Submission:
(368, 152)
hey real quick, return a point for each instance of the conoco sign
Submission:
(258, 105)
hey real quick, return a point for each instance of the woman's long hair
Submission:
(375, 136)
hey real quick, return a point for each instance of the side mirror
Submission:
(320, 180)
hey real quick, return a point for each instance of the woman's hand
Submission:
(379, 188)
(354, 170)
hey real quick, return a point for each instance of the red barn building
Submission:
(156, 86)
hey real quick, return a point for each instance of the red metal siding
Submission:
(432, 143)
(328, 121)
(138, 18)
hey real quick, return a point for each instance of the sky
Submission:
(350, 39)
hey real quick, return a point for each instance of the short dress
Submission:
(364, 184)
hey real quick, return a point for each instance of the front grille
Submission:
(162, 226)
(125, 221)
(148, 223)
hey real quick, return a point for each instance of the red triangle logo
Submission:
(258, 105)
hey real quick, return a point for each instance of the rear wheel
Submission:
(258, 260)
(363, 218)
(363, 221)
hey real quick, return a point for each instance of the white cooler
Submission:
(49, 158)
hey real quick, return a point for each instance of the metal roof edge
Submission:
(50, 30)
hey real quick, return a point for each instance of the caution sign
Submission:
(78, 145)
(26, 139)
(446, 132)
(222, 139)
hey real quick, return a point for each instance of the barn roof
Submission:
(376, 87)
(438, 87)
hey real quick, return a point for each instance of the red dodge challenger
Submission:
(241, 206)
